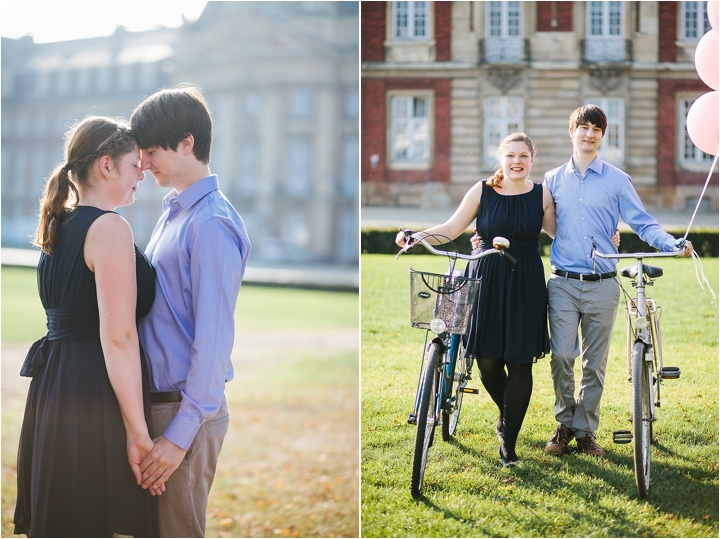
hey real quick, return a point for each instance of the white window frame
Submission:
(409, 132)
(497, 127)
(499, 18)
(693, 10)
(690, 156)
(612, 148)
(606, 23)
(412, 12)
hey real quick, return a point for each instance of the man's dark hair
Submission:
(169, 115)
(589, 114)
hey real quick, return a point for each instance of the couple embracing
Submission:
(126, 411)
(578, 204)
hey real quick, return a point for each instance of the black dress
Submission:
(74, 479)
(510, 318)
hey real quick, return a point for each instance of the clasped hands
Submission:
(154, 461)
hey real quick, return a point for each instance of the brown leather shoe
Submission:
(560, 440)
(588, 444)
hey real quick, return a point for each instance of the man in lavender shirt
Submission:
(199, 248)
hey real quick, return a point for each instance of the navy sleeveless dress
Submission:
(74, 479)
(510, 318)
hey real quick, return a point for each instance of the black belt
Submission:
(584, 276)
(158, 397)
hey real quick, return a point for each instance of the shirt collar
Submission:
(190, 196)
(596, 166)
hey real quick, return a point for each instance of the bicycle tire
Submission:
(450, 418)
(426, 419)
(641, 419)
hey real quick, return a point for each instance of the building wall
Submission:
(552, 80)
(281, 79)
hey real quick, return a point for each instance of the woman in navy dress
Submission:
(85, 430)
(508, 330)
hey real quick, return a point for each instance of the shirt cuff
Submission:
(181, 431)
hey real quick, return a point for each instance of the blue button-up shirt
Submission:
(199, 248)
(589, 208)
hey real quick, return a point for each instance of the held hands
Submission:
(138, 448)
(159, 465)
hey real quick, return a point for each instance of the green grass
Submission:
(290, 462)
(468, 493)
(258, 307)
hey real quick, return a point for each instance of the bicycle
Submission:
(644, 362)
(442, 305)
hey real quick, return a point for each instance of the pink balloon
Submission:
(706, 58)
(703, 122)
(713, 11)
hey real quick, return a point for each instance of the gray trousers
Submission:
(183, 506)
(591, 306)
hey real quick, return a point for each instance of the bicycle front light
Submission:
(437, 326)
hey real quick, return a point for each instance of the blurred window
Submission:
(250, 168)
(300, 103)
(352, 104)
(253, 103)
(298, 167)
(503, 115)
(350, 163)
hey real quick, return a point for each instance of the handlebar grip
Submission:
(508, 258)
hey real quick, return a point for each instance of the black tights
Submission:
(511, 393)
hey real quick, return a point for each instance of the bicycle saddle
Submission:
(651, 271)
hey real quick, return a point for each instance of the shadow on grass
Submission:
(587, 479)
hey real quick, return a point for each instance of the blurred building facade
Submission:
(443, 82)
(281, 80)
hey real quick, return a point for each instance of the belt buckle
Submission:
(581, 277)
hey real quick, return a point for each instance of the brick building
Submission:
(443, 82)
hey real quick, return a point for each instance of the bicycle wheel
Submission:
(426, 419)
(641, 419)
(457, 381)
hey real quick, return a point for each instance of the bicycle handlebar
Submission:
(454, 255)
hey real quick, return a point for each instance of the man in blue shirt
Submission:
(590, 197)
(200, 249)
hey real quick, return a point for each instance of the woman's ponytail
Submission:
(59, 190)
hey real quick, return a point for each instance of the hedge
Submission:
(382, 241)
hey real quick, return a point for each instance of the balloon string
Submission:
(697, 206)
(700, 275)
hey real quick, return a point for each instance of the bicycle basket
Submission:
(450, 298)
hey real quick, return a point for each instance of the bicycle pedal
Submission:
(412, 419)
(669, 373)
(471, 391)
(622, 437)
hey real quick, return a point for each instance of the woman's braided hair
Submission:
(60, 194)
(496, 179)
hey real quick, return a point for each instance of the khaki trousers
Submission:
(183, 506)
(591, 307)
